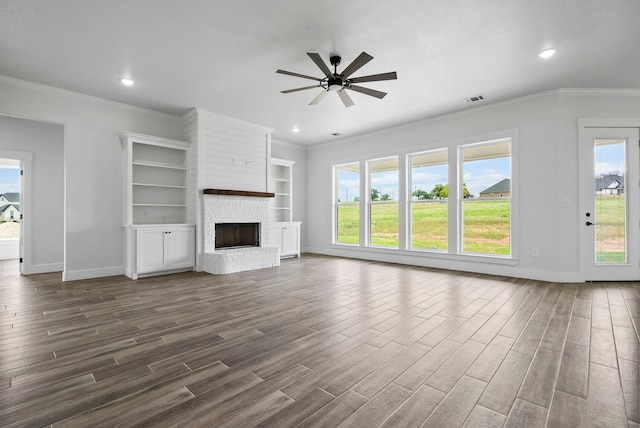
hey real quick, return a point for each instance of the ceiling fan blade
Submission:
(346, 99)
(367, 91)
(375, 77)
(288, 91)
(319, 98)
(361, 60)
(291, 73)
(320, 63)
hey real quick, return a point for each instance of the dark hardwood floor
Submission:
(319, 341)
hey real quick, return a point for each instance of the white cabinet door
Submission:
(286, 237)
(164, 248)
(290, 241)
(150, 250)
(180, 248)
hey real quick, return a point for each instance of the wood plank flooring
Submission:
(318, 342)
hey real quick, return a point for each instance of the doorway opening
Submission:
(10, 216)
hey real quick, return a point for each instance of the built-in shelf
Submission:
(281, 185)
(156, 179)
(157, 238)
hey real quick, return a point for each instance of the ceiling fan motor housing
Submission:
(334, 83)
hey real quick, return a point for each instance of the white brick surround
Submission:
(236, 209)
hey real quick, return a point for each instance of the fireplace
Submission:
(236, 232)
(237, 235)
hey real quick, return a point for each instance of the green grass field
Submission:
(486, 225)
(610, 229)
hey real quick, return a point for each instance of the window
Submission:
(383, 203)
(429, 200)
(485, 198)
(455, 199)
(347, 203)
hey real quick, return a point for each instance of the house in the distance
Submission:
(499, 190)
(610, 184)
(10, 207)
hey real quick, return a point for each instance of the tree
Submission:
(356, 199)
(385, 197)
(422, 194)
(440, 191)
(375, 194)
(465, 191)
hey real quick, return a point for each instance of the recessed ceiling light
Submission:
(547, 53)
(295, 130)
(126, 81)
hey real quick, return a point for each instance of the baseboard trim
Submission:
(462, 266)
(42, 268)
(75, 275)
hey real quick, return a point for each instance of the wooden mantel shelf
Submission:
(238, 193)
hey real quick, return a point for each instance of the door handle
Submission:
(589, 223)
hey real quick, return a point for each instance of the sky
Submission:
(9, 180)
(609, 158)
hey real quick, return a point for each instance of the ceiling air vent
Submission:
(474, 99)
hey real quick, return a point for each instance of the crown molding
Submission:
(517, 100)
(39, 87)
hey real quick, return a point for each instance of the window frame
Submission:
(336, 202)
(454, 205)
(370, 204)
(460, 197)
(411, 201)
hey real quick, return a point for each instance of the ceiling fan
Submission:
(338, 82)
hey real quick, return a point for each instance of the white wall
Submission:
(546, 172)
(298, 154)
(45, 141)
(93, 172)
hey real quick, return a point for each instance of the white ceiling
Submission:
(222, 55)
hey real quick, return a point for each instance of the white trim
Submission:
(608, 122)
(25, 159)
(75, 275)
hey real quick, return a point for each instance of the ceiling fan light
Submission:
(126, 81)
(547, 53)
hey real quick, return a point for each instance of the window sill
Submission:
(436, 255)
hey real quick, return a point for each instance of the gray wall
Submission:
(46, 142)
(545, 173)
(93, 167)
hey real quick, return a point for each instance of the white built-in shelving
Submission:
(157, 236)
(284, 233)
(281, 186)
(156, 185)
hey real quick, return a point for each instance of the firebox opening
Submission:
(237, 235)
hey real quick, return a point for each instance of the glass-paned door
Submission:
(610, 220)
